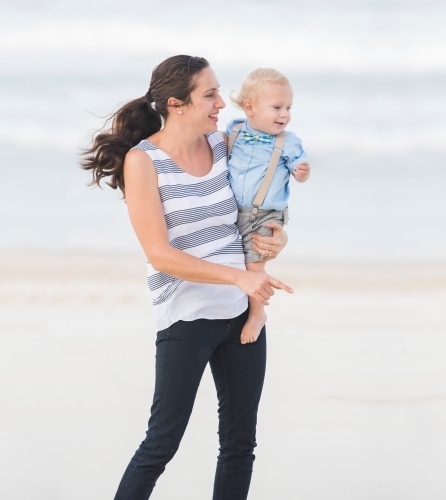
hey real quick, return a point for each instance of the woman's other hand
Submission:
(270, 246)
(260, 286)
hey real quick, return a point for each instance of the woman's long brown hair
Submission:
(139, 119)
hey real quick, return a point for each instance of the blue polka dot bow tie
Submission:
(248, 137)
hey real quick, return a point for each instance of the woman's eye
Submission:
(210, 95)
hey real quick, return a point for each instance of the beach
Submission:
(354, 403)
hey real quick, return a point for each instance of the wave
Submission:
(316, 141)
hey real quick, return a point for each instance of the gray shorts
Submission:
(247, 228)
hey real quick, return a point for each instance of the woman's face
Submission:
(202, 113)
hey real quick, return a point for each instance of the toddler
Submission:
(261, 156)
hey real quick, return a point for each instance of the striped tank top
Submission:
(200, 214)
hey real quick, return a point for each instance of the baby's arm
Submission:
(302, 172)
(296, 157)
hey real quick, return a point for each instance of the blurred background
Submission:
(355, 398)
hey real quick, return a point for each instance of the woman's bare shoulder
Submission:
(138, 165)
(137, 157)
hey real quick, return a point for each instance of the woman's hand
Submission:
(259, 286)
(270, 246)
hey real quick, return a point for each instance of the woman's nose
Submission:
(221, 104)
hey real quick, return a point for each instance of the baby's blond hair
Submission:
(253, 82)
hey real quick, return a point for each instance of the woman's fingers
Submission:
(263, 293)
(260, 286)
(268, 251)
(270, 246)
(262, 298)
(279, 285)
(269, 289)
(266, 290)
(263, 246)
(274, 226)
(277, 230)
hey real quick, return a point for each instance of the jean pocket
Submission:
(162, 335)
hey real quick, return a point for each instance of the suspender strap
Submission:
(273, 162)
(266, 183)
(233, 136)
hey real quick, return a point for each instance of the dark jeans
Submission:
(182, 353)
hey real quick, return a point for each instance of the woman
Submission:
(183, 211)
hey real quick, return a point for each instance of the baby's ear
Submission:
(247, 107)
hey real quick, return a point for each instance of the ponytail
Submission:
(132, 123)
(138, 119)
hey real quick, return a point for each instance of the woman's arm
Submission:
(147, 217)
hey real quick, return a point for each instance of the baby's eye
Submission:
(276, 107)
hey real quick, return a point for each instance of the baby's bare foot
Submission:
(252, 327)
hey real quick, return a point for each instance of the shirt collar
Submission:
(253, 130)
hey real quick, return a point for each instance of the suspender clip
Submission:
(254, 212)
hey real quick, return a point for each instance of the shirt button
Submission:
(240, 176)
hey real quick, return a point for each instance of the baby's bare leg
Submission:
(257, 317)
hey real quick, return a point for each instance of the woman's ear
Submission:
(175, 104)
(247, 107)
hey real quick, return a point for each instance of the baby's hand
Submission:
(302, 172)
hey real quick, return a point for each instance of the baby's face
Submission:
(269, 111)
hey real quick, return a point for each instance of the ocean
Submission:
(370, 106)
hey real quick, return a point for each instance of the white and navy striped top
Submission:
(200, 214)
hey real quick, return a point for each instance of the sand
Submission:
(354, 405)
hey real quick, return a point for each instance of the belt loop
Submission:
(254, 211)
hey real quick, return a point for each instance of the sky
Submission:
(319, 36)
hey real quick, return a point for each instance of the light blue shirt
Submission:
(248, 163)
